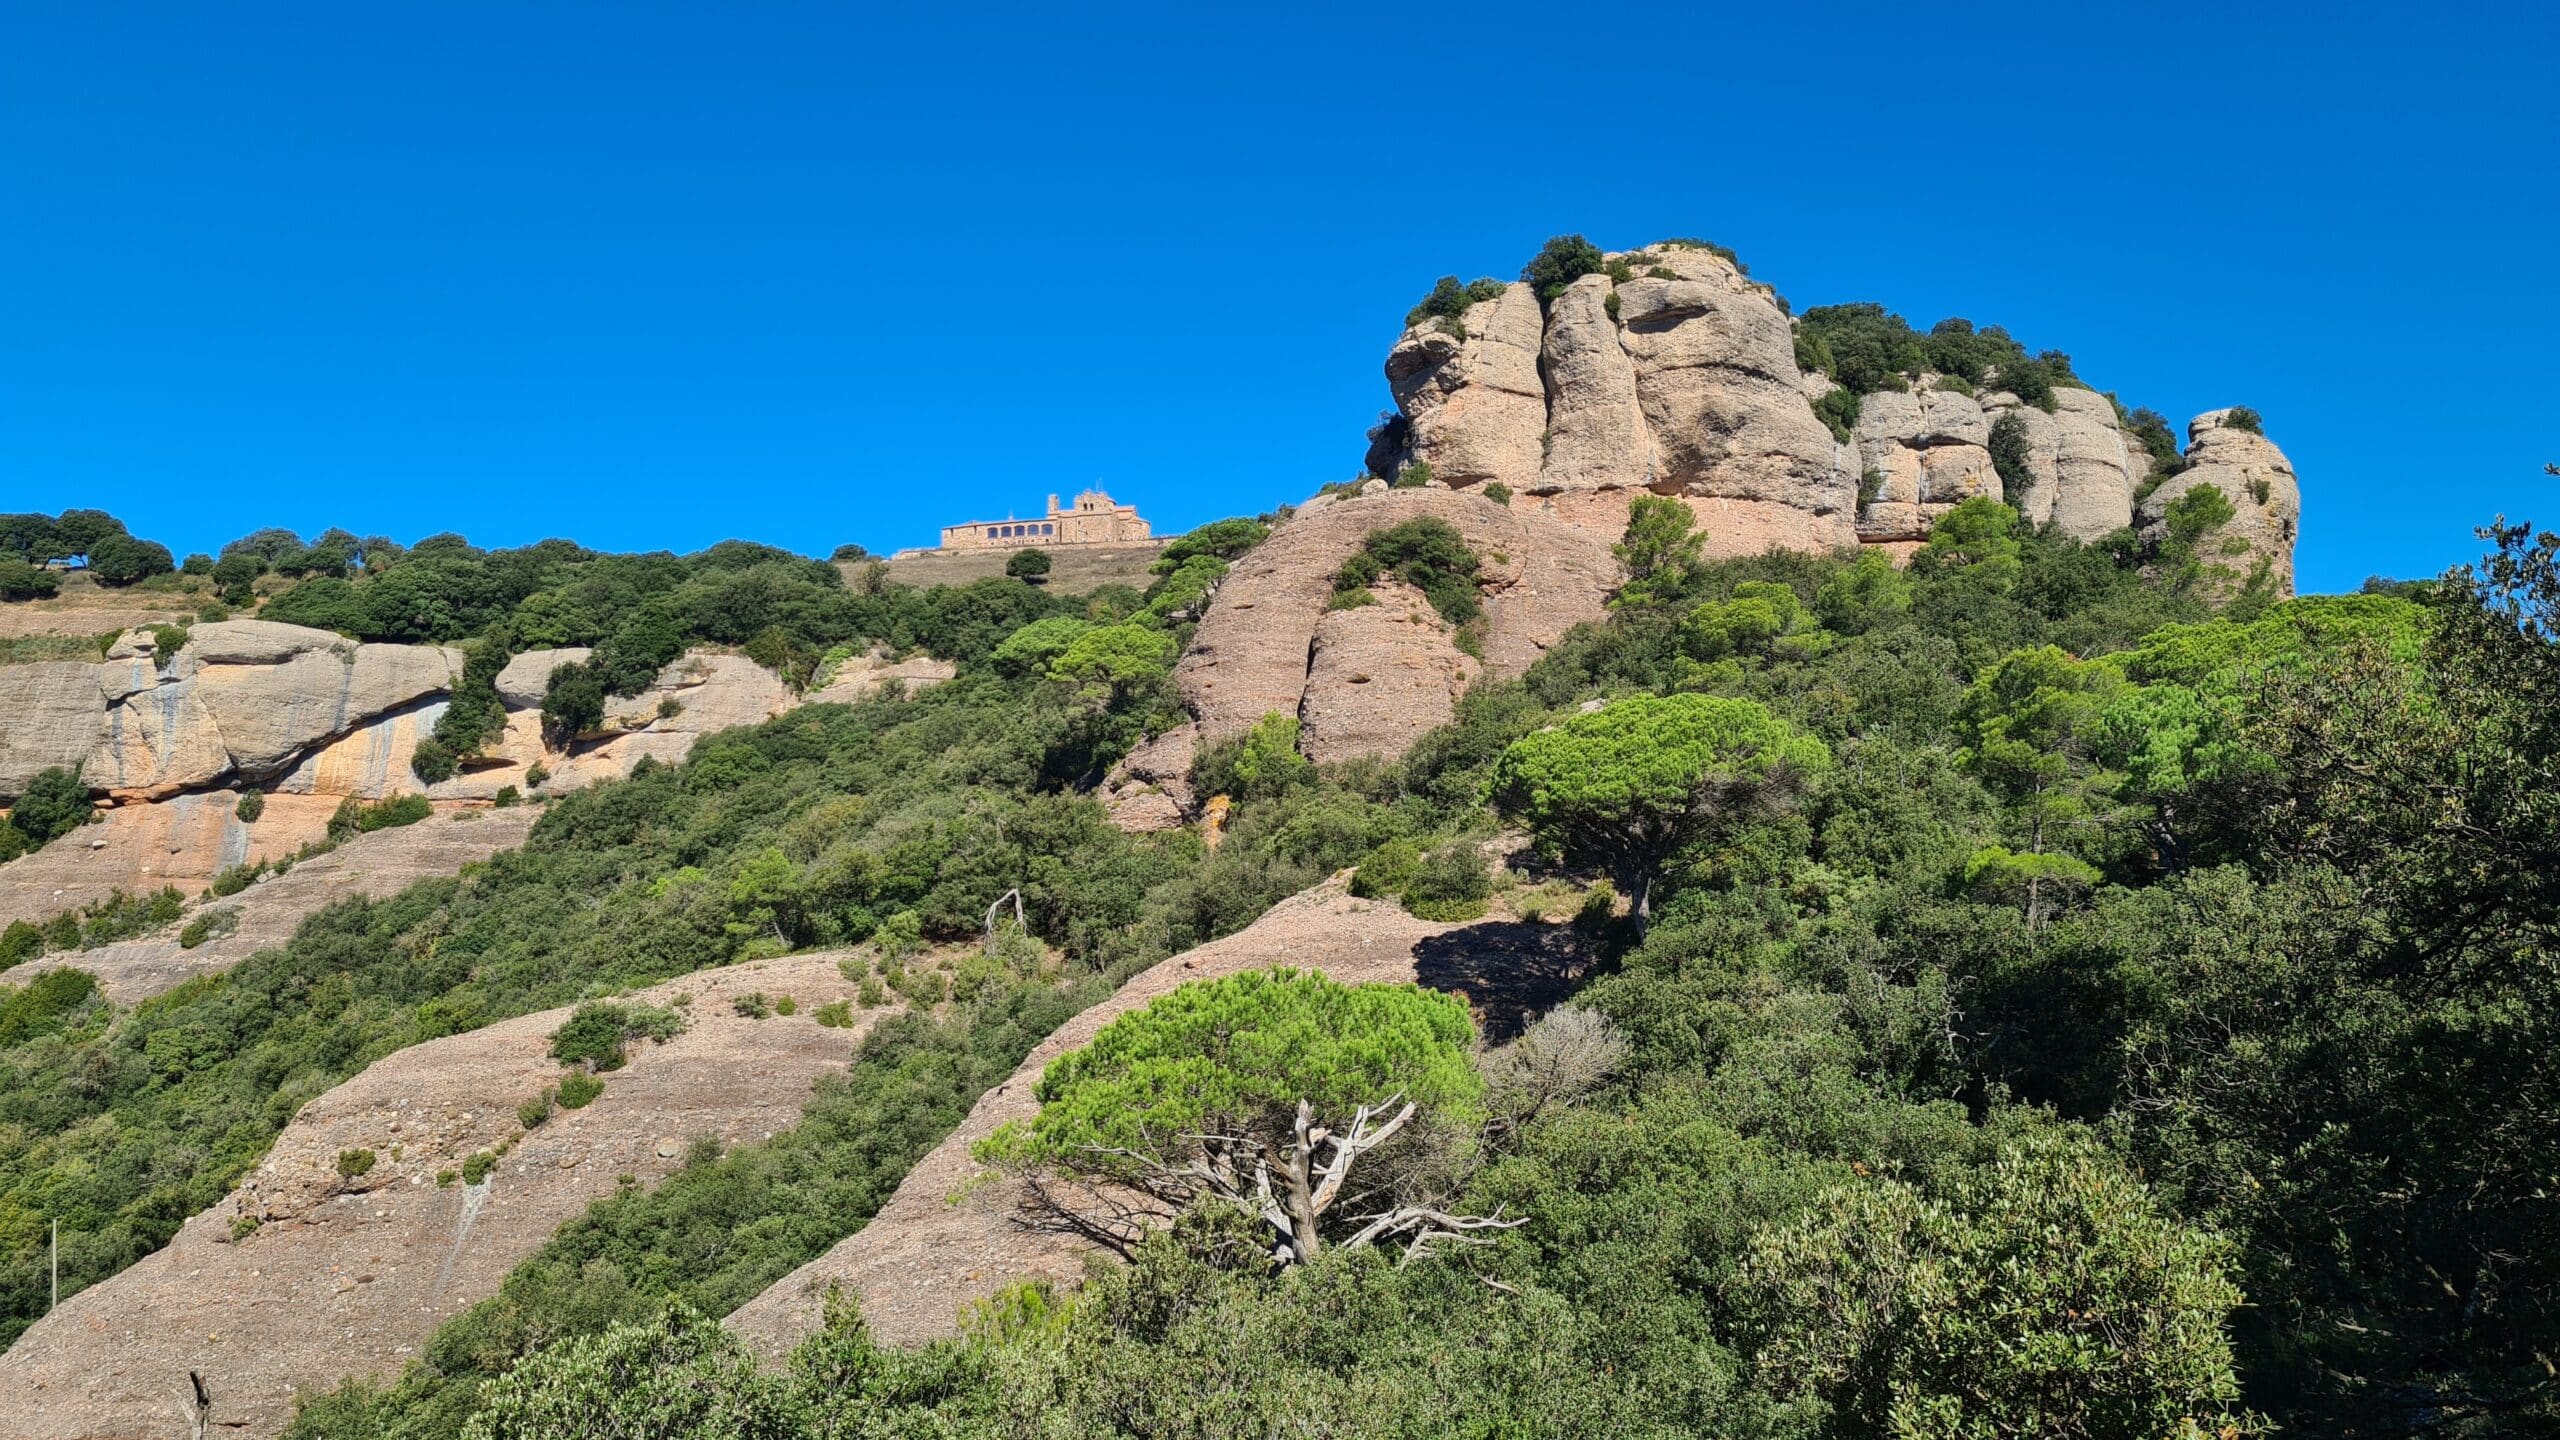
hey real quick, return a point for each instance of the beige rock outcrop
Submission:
(1681, 379)
(526, 678)
(1150, 789)
(1254, 650)
(1682, 382)
(377, 864)
(1476, 406)
(347, 1278)
(1929, 451)
(866, 675)
(1379, 676)
(2266, 501)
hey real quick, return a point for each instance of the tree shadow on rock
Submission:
(1508, 971)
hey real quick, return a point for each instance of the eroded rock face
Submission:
(1930, 452)
(867, 675)
(2265, 497)
(1255, 650)
(1476, 406)
(1150, 789)
(1380, 676)
(244, 700)
(1682, 382)
(347, 1277)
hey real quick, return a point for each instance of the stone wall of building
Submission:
(1095, 519)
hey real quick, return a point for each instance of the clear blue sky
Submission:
(650, 276)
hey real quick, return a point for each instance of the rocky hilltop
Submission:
(1671, 371)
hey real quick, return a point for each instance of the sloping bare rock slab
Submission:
(1251, 654)
(949, 1238)
(183, 841)
(337, 1283)
(374, 865)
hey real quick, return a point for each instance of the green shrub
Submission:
(54, 804)
(597, 1032)
(1449, 299)
(1030, 565)
(477, 1165)
(211, 925)
(250, 805)
(166, 642)
(1428, 554)
(433, 762)
(2204, 508)
(1559, 263)
(1414, 476)
(233, 879)
(2012, 455)
(578, 1089)
(506, 797)
(536, 776)
(22, 581)
(751, 1006)
(1870, 486)
(1497, 492)
(1450, 884)
(354, 1164)
(1609, 303)
(1261, 764)
(2241, 417)
(1838, 412)
(1384, 872)
(533, 1112)
(835, 1015)
(1955, 385)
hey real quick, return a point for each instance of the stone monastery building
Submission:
(1094, 520)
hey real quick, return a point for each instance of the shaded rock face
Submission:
(1682, 383)
(1256, 651)
(2265, 497)
(347, 1278)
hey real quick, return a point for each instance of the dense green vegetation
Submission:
(2025, 1070)
(2043, 1005)
(1868, 348)
(92, 539)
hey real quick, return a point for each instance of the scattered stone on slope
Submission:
(347, 1279)
(1252, 652)
(950, 1237)
(2259, 482)
(377, 864)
